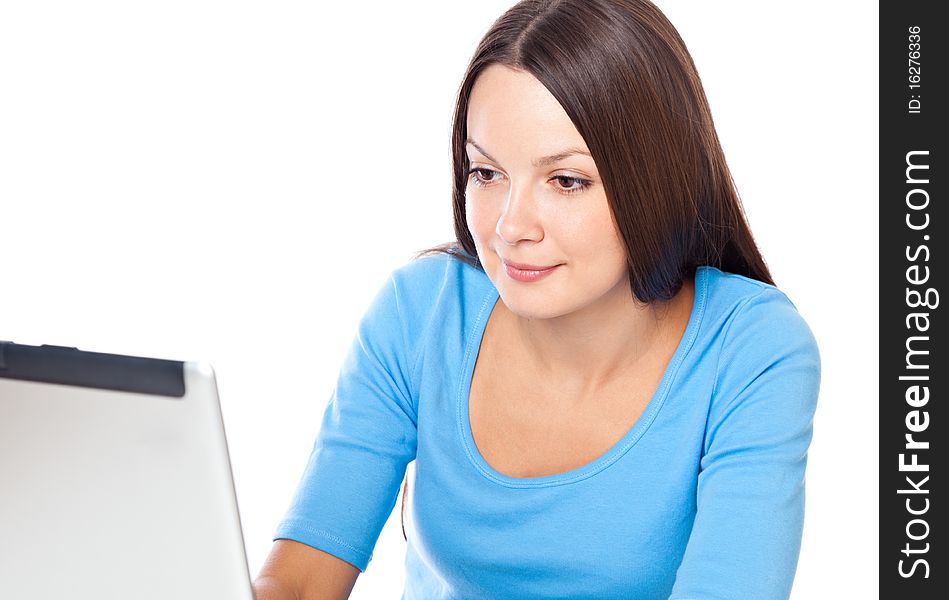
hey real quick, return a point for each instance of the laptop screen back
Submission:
(115, 479)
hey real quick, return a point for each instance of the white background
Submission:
(233, 181)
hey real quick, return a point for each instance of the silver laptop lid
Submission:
(115, 480)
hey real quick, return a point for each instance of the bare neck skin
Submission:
(586, 350)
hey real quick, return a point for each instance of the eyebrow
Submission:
(543, 161)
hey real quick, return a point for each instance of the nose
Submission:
(519, 219)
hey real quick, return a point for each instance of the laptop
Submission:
(115, 480)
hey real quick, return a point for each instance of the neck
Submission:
(587, 349)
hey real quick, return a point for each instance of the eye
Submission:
(571, 185)
(565, 184)
(477, 176)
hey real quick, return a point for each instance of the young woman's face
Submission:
(524, 209)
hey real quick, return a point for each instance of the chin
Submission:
(530, 305)
(528, 314)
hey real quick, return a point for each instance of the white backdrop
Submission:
(233, 181)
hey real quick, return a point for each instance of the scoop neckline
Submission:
(629, 439)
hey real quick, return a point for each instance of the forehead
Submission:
(508, 106)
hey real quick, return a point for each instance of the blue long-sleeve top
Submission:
(702, 499)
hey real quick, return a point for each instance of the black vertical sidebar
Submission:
(914, 373)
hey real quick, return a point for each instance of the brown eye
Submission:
(481, 177)
(571, 185)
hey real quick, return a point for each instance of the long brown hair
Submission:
(625, 78)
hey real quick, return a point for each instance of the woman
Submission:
(603, 392)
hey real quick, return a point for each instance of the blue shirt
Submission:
(702, 499)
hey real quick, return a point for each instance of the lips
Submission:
(526, 267)
(526, 273)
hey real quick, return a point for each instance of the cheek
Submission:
(588, 231)
(480, 219)
(595, 237)
(604, 224)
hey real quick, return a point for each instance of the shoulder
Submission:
(416, 306)
(426, 297)
(739, 304)
(437, 281)
(760, 333)
(439, 273)
(768, 373)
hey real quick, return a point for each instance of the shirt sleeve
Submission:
(367, 437)
(746, 537)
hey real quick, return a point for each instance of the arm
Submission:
(358, 461)
(295, 571)
(746, 537)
